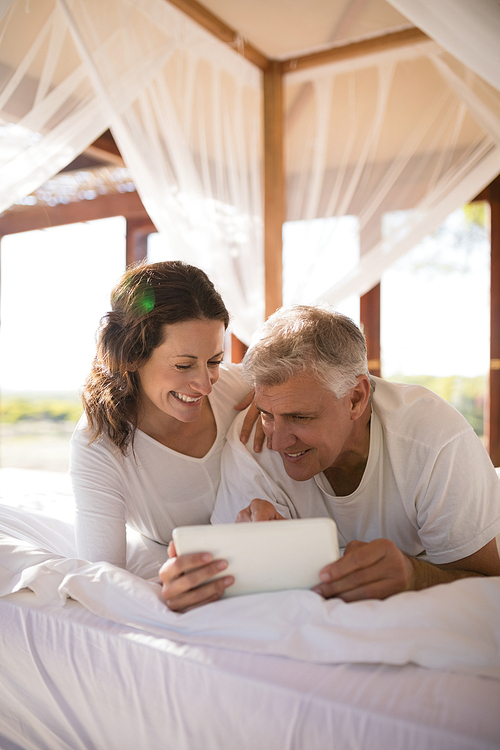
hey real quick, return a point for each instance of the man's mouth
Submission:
(296, 455)
(186, 399)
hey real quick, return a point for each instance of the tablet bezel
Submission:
(265, 556)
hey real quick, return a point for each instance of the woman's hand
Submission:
(251, 417)
(185, 580)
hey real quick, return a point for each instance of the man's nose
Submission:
(282, 436)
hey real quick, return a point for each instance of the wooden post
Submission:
(238, 349)
(274, 192)
(369, 305)
(138, 231)
(369, 313)
(493, 417)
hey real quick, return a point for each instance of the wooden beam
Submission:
(357, 49)
(104, 206)
(105, 148)
(369, 303)
(369, 313)
(493, 417)
(221, 31)
(238, 349)
(136, 244)
(102, 152)
(274, 191)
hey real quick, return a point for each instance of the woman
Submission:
(158, 403)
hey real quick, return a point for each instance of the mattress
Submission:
(72, 680)
(90, 657)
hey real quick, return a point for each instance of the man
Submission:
(411, 488)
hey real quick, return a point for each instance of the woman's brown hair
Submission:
(146, 298)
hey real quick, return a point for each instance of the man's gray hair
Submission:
(307, 339)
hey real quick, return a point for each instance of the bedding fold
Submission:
(453, 627)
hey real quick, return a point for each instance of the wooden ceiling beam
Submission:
(28, 218)
(216, 26)
(221, 31)
(356, 49)
(105, 149)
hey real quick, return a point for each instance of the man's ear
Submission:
(360, 397)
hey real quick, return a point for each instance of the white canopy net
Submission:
(414, 130)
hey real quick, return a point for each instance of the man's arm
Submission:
(245, 475)
(378, 569)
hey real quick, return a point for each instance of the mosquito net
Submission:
(414, 130)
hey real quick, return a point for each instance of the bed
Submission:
(91, 658)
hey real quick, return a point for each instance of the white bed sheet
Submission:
(72, 680)
(94, 659)
(454, 626)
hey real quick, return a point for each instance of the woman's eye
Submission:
(215, 364)
(182, 367)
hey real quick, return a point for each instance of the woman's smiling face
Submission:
(182, 370)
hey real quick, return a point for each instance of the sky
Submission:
(56, 285)
(55, 288)
(434, 300)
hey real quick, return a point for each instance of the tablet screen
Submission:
(268, 555)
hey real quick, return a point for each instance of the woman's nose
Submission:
(202, 382)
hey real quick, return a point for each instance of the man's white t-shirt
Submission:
(152, 489)
(429, 485)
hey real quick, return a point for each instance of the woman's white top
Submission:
(153, 488)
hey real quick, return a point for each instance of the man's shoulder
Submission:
(230, 387)
(230, 376)
(415, 412)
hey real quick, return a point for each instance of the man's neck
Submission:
(346, 473)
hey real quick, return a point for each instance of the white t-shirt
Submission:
(429, 485)
(152, 491)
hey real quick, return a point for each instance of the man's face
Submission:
(309, 427)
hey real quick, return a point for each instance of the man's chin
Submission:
(296, 471)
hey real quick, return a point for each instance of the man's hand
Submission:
(378, 569)
(259, 510)
(185, 577)
(248, 422)
(368, 570)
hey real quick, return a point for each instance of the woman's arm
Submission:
(100, 521)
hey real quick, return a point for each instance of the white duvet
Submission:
(453, 627)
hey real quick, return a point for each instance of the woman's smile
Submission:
(186, 399)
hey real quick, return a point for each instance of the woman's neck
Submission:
(193, 439)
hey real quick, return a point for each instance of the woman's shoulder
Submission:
(229, 391)
(80, 433)
(230, 380)
(81, 440)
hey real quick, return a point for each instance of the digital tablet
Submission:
(267, 555)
